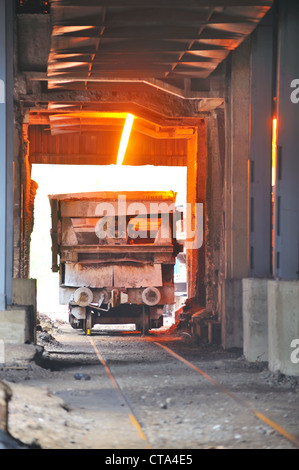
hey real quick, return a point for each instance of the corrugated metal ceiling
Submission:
(122, 40)
(114, 47)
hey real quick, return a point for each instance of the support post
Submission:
(286, 188)
(196, 193)
(6, 152)
(260, 150)
(236, 196)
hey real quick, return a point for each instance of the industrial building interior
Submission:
(212, 90)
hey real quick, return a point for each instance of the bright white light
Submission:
(63, 179)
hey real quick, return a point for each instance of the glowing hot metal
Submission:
(125, 138)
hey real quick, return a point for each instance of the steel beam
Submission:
(260, 151)
(161, 3)
(2, 157)
(286, 189)
(6, 152)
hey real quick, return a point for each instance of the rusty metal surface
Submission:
(156, 60)
(137, 276)
(159, 60)
(91, 276)
(89, 249)
(66, 293)
(129, 267)
(113, 196)
(112, 276)
(98, 146)
(167, 295)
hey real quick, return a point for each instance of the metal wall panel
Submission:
(101, 148)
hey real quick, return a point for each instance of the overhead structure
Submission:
(161, 61)
(162, 43)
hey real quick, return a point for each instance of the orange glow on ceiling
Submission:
(59, 30)
(274, 150)
(90, 114)
(125, 138)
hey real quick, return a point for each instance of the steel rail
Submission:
(132, 417)
(279, 429)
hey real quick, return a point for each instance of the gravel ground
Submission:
(68, 401)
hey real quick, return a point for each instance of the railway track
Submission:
(224, 391)
(132, 417)
(126, 391)
(237, 399)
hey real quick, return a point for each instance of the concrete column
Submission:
(286, 190)
(214, 210)
(283, 323)
(231, 315)
(254, 303)
(238, 118)
(24, 295)
(17, 322)
(6, 152)
(236, 196)
(255, 319)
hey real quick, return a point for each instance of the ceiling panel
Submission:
(144, 40)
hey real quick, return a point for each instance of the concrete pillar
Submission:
(255, 319)
(283, 323)
(231, 317)
(6, 152)
(238, 118)
(254, 303)
(17, 322)
(24, 293)
(236, 196)
(214, 210)
(286, 189)
(14, 325)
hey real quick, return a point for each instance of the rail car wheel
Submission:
(75, 323)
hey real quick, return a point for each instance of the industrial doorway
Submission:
(93, 140)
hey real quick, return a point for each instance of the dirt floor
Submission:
(68, 399)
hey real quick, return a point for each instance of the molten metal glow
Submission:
(125, 138)
(274, 150)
